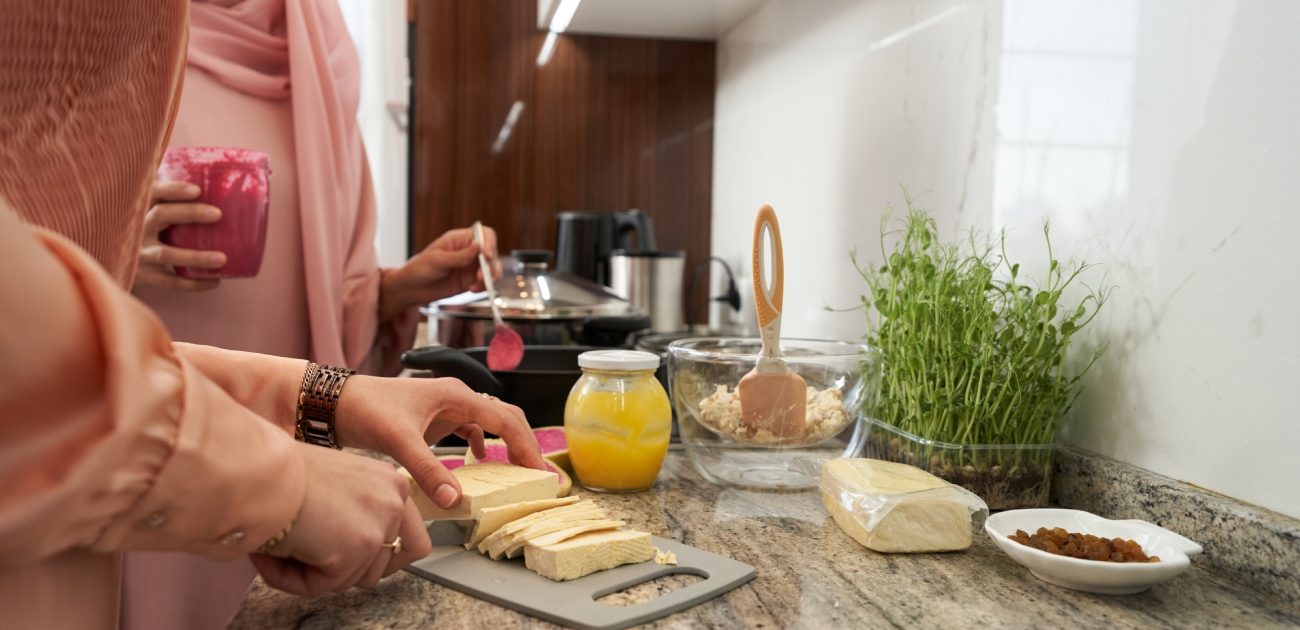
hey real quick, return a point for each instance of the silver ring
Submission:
(396, 545)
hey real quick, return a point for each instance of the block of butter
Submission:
(488, 484)
(893, 508)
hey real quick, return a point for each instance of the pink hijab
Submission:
(300, 49)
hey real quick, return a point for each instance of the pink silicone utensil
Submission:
(772, 396)
(506, 350)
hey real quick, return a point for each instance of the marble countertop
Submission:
(810, 574)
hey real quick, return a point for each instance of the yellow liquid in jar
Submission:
(618, 439)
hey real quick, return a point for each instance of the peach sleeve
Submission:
(267, 385)
(110, 440)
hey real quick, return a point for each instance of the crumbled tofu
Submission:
(665, 557)
(825, 417)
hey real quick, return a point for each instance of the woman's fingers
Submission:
(370, 575)
(151, 276)
(433, 478)
(168, 256)
(164, 215)
(473, 435)
(415, 540)
(173, 190)
(507, 421)
(278, 573)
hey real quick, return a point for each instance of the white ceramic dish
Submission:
(1108, 578)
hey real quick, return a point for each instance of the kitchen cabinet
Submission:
(501, 133)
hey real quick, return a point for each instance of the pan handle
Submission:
(445, 361)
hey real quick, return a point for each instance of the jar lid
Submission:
(624, 360)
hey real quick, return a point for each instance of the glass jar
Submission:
(617, 421)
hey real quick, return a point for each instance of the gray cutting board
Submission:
(509, 583)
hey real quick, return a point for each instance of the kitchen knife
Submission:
(449, 532)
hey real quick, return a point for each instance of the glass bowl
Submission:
(703, 374)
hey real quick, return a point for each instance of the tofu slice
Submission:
(569, 530)
(496, 544)
(491, 519)
(587, 553)
(485, 485)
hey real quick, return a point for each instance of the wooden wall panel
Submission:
(608, 124)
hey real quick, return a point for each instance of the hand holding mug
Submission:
(174, 203)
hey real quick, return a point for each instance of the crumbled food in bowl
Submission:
(826, 417)
(1083, 546)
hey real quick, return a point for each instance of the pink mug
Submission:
(238, 181)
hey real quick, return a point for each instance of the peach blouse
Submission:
(112, 437)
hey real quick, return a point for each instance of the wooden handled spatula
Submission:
(772, 396)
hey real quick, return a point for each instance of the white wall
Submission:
(378, 27)
(1159, 137)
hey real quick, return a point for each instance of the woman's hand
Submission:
(171, 203)
(402, 416)
(446, 267)
(353, 507)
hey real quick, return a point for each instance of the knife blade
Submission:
(450, 532)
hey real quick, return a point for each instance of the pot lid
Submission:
(532, 291)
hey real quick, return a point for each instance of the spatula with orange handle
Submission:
(772, 396)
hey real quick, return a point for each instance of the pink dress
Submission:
(240, 92)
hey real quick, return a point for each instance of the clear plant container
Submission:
(1006, 476)
(703, 374)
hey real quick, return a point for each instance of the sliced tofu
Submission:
(493, 518)
(485, 485)
(587, 553)
(566, 531)
(536, 524)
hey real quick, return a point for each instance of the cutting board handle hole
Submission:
(650, 589)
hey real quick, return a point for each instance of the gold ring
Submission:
(396, 545)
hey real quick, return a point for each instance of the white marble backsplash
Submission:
(1160, 137)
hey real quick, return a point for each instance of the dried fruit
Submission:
(1083, 546)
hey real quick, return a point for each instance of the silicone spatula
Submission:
(772, 396)
(506, 350)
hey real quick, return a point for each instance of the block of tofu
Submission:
(488, 484)
(896, 508)
(587, 553)
(566, 531)
(491, 519)
(538, 524)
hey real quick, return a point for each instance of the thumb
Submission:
(433, 478)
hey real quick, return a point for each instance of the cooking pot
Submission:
(545, 307)
(540, 385)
